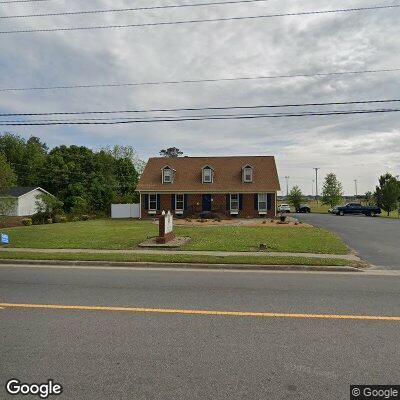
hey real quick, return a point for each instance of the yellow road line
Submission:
(199, 312)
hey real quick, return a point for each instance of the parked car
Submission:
(284, 208)
(357, 208)
(303, 208)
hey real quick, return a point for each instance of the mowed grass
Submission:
(392, 214)
(94, 234)
(248, 238)
(180, 258)
(127, 234)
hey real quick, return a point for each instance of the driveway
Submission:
(376, 240)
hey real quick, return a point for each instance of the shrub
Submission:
(85, 217)
(27, 221)
(63, 219)
(75, 219)
(38, 218)
(49, 220)
(59, 218)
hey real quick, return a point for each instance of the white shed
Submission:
(24, 199)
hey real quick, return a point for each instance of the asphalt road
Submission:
(153, 355)
(376, 240)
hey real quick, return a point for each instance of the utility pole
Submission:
(312, 187)
(355, 183)
(287, 186)
(316, 183)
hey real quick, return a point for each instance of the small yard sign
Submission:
(4, 239)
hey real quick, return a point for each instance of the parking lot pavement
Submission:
(376, 240)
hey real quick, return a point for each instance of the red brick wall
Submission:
(218, 205)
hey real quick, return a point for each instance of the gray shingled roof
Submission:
(19, 191)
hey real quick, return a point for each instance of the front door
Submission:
(206, 202)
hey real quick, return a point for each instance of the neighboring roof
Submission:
(227, 174)
(19, 191)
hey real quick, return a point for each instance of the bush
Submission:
(59, 218)
(49, 220)
(27, 221)
(63, 219)
(39, 218)
(75, 219)
(85, 217)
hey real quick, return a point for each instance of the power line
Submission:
(326, 112)
(200, 118)
(332, 103)
(113, 10)
(204, 20)
(20, 1)
(243, 78)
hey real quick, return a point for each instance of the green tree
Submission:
(171, 152)
(7, 175)
(332, 190)
(387, 194)
(47, 206)
(369, 198)
(80, 206)
(7, 179)
(27, 157)
(295, 197)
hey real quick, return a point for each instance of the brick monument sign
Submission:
(165, 228)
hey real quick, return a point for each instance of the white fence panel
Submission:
(125, 210)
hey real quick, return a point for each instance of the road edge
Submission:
(140, 264)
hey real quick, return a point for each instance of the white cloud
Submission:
(356, 147)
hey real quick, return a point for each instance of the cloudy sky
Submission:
(353, 146)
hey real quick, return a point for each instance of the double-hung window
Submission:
(179, 202)
(248, 175)
(262, 202)
(167, 175)
(234, 206)
(152, 202)
(207, 175)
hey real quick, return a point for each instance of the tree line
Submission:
(386, 195)
(83, 180)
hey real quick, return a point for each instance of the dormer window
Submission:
(207, 174)
(247, 172)
(167, 175)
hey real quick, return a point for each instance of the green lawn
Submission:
(247, 238)
(126, 234)
(179, 259)
(393, 214)
(94, 234)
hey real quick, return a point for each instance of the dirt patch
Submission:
(178, 241)
(10, 222)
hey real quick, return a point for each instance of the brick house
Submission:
(224, 186)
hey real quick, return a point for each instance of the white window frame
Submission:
(152, 201)
(177, 208)
(170, 174)
(208, 169)
(262, 198)
(232, 201)
(245, 180)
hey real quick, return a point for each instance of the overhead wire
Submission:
(202, 20)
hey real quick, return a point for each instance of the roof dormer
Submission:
(247, 174)
(167, 174)
(207, 174)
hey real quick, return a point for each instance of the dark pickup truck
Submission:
(356, 208)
